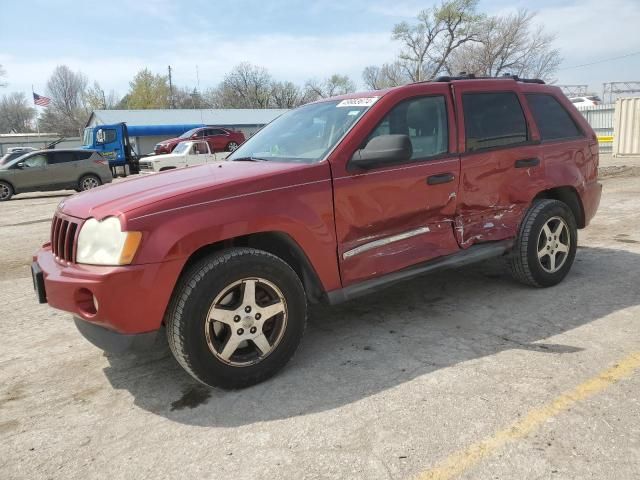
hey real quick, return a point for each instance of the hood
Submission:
(178, 187)
(168, 141)
(159, 158)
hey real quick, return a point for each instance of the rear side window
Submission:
(61, 157)
(83, 155)
(215, 131)
(553, 120)
(424, 120)
(493, 120)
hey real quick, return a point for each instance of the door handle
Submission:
(440, 178)
(527, 162)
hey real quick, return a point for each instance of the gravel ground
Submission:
(463, 374)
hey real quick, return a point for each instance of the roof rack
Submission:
(471, 76)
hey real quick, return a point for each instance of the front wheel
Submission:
(236, 317)
(546, 244)
(6, 191)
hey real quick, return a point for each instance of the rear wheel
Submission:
(88, 182)
(546, 245)
(6, 191)
(231, 146)
(236, 317)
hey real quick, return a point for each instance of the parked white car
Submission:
(585, 102)
(186, 154)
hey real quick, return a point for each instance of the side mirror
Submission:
(100, 136)
(382, 150)
(20, 165)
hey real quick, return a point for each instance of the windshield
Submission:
(188, 133)
(306, 134)
(87, 138)
(181, 147)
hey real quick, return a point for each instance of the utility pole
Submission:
(171, 105)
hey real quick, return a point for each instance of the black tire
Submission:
(525, 265)
(87, 182)
(231, 146)
(164, 169)
(200, 284)
(6, 191)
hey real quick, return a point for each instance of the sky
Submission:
(295, 40)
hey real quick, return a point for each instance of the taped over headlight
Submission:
(104, 243)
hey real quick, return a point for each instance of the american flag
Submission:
(41, 100)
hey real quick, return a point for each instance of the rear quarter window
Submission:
(83, 155)
(493, 120)
(553, 120)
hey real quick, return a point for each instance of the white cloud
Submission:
(295, 58)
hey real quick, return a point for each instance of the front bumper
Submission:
(115, 342)
(125, 300)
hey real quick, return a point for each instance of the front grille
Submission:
(144, 166)
(64, 235)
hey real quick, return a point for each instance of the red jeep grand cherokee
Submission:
(219, 139)
(332, 200)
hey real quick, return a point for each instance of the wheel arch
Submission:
(277, 243)
(13, 187)
(569, 196)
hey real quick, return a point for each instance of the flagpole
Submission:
(33, 95)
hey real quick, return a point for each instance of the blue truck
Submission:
(123, 145)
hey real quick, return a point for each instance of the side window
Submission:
(36, 161)
(215, 131)
(106, 135)
(424, 120)
(61, 157)
(493, 120)
(83, 155)
(553, 121)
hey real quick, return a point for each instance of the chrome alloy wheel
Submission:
(554, 243)
(89, 183)
(246, 321)
(232, 146)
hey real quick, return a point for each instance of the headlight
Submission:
(104, 243)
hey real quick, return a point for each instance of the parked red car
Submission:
(331, 201)
(219, 139)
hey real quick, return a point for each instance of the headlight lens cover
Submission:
(104, 243)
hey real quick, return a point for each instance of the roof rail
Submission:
(471, 76)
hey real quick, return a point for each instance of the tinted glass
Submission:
(61, 157)
(215, 131)
(35, 161)
(493, 120)
(109, 135)
(424, 120)
(553, 120)
(83, 155)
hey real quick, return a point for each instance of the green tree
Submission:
(148, 90)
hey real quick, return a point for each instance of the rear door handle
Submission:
(440, 178)
(527, 162)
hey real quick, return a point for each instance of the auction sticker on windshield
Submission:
(358, 102)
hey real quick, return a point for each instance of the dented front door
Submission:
(392, 217)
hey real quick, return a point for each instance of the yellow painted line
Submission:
(461, 461)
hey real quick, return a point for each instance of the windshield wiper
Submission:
(249, 159)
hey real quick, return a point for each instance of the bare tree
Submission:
(66, 113)
(509, 44)
(16, 113)
(95, 98)
(330, 87)
(286, 95)
(3, 74)
(440, 30)
(246, 86)
(386, 76)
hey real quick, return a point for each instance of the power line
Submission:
(601, 61)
